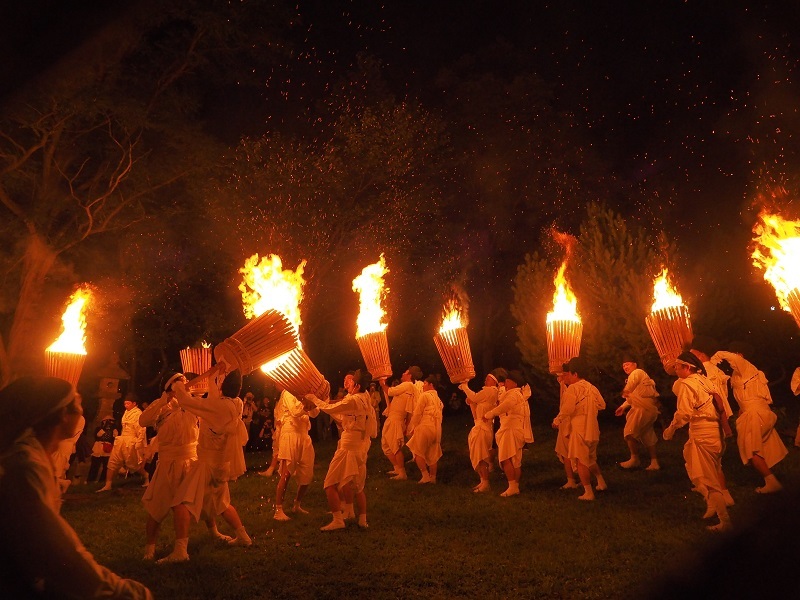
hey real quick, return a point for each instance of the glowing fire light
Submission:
(73, 338)
(267, 285)
(452, 317)
(664, 294)
(777, 253)
(371, 290)
(565, 305)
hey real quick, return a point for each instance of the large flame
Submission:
(565, 305)
(73, 338)
(451, 318)
(777, 252)
(371, 290)
(267, 285)
(664, 294)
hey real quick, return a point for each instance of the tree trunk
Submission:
(23, 357)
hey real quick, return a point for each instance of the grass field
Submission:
(437, 541)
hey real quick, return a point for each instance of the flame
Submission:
(371, 290)
(451, 318)
(565, 305)
(777, 252)
(664, 294)
(73, 338)
(267, 285)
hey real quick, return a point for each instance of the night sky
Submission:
(702, 96)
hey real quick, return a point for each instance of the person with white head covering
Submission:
(348, 466)
(43, 554)
(696, 406)
(579, 407)
(177, 451)
(426, 421)
(220, 454)
(515, 429)
(641, 403)
(296, 452)
(704, 347)
(759, 444)
(400, 400)
(481, 435)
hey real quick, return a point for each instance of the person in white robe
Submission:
(579, 406)
(43, 556)
(64, 451)
(348, 466)
(515, 429)
(177, 452)
(277, 423)
(641, 404)
(129, 445)
(704, 347)
(562, 439)
(481, 435)
(296, 453)
(222, 436)
(426, 422)
(759, 443)
(400, 400)
(703, 450)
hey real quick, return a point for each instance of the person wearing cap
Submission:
(515, 429)
(400, 400)
(697, 407)
(579, 407)
(43, 555)
(129, 445)
(177, 434)
(641, 404)
(348, 466)
(704, 347)
(759, 444)
(426, 421)
(296, 452)
(220, 454)
(481, 435)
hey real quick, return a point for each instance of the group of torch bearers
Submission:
(201, 434)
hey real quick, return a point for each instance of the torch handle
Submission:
(212, 371)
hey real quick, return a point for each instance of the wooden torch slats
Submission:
(262, 340)
(298, 375)
(375, 350)
(794, 304)
(453, 347)
(197, 360)
(65, 365)
(563, 342)
(670, 329)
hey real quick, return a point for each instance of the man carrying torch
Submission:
(400, 401)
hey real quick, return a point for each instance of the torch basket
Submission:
(563, 342)
(66, 365)
(453, 347)
(375, 350)
(263, 339)
(671, 329)
(794, 304)
(299, 376)
(198, 361)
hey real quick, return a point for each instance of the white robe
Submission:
(640, 392)
(515, 426)
(755, 427)
(579, 406)
(427, 424)
(481, 434)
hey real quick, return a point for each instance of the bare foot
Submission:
(631, 463)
